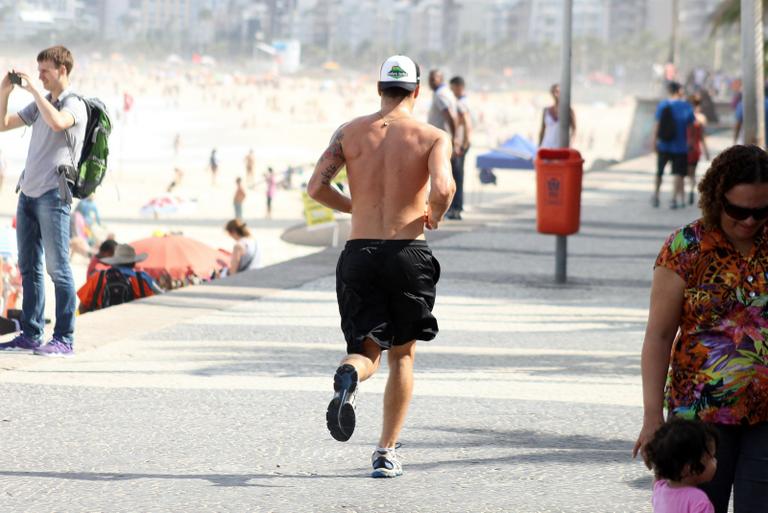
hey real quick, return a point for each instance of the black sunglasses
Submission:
(742, 213)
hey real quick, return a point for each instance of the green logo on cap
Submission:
(397, 72)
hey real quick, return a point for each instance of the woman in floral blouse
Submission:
(707, 332)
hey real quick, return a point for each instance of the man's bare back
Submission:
(390, 159)
(388, 170)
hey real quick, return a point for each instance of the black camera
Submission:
(70, 174)
(15, 78)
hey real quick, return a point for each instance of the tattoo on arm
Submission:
(328, 173)
(334, 155)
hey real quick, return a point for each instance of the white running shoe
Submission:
(386, 463)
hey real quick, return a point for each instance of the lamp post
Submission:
(753, 105)
(674, 40)
(564, 115)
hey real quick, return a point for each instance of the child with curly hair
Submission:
(682, 455)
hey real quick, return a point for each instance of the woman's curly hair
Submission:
(737, 165)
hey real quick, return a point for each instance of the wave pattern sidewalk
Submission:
(213, 398)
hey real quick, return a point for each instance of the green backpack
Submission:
(92, 166)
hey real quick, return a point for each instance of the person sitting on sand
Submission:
(119, 284)
(245, 254)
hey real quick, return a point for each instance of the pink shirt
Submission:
(686, 499)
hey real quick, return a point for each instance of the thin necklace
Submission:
(386, 122)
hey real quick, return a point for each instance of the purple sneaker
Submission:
(56, 348)
(21, 343)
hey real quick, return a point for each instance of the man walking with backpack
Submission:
(43, 211)
(670, 133)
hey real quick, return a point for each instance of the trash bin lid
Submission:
(568, 154)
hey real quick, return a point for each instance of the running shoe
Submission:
(56, 348)
(340, 416)
(386, 463)
(21, 343)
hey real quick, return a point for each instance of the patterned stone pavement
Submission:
(213, 398)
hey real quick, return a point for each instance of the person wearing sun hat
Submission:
(400, 182)
(118, 284)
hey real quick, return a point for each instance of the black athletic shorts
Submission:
(679, 163)
(386, 292)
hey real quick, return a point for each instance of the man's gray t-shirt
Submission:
(462, 108)
(442, 99)
(48, 149)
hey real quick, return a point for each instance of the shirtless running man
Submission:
(386, 275)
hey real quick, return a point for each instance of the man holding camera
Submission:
(58, 122)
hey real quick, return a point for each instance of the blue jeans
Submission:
(457, 169)
(42, 229)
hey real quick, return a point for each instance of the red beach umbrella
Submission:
(178, 256)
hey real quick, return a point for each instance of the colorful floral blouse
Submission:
(719, 366)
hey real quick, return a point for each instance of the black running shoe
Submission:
(340, 416)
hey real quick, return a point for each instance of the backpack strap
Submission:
(65, 190)
(71, 143)
(97, 292)
(142, 284)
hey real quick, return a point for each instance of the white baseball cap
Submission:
(399, 71)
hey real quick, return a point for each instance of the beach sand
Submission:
(286, 124)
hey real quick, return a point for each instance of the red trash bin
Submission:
(558, 190)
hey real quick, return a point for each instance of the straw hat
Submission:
(124, 254)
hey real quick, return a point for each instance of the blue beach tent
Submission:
(515, 153)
